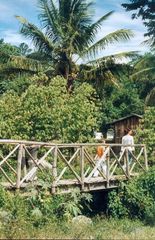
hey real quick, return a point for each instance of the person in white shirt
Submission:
(128, 140)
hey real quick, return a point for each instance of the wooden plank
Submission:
(76, 175)
(139, 155)
(34, 160)
(54, 170)
(145, 157)
(118, 162)
(82, 168)
(19, 163)
(138, 161)
(34, 169)
(14, 142)
(6, 176)
(9, 165)
(108, 167)
(24, 162)
(93, 164)
(127, 162)
(65, 168)
(6, 158)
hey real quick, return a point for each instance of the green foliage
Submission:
(24, 49)
(69, 31)
(8, 49)
(18, 84)
(49, 113)
(145, 11)
(115, 206)
(144, 77)
(150, 217)
(135, 199)
(74, 204)
(120, 101)
(2, 197)
(44, 216)
(39, 208)
(146, 132)
(59, 206)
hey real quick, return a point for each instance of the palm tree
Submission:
(14, 66)
(144, 73)
(69, 32)
(14, 59)
(24, 49)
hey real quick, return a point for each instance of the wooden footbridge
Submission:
(64, 167)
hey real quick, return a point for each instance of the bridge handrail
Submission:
(10, 141)
(54, 153)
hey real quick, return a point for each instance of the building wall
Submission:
(120, 126)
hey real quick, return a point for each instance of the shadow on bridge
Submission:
(64, 167)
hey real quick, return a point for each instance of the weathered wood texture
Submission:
(64, 167)
(132, 121)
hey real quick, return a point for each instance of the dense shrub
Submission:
(135, 199)
(50, 112)
(146, 132)
(40, 208)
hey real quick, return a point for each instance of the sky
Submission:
(9, 26)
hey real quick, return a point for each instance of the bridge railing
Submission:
(65, 166)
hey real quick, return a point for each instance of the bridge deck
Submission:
(68, 185)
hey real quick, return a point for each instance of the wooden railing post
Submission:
(54, 170)
(127, 162)
(108, 167)
(82, 168)
(23, 166)
(19, 164)
(145, 158)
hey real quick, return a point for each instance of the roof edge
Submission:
(128, 116)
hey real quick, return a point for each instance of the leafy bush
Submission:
(134, 199)
(74, 204)
(115, 205)
(38, 209)
(146, 132)
(42, 208)
(49, 113)
(150, 217)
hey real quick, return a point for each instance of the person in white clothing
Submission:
(100, 158)
(128, 140)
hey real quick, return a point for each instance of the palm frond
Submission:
(111, 38)
(49, 17)
(100, 74)
(145, 62)
(76, 21)
(147, 42)
(25, 63)
(150, 99)
(141, 73)
(21, 63)
(4, 57)
(91, 31)
(40, 40)
(114, 57)
(95, 26)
